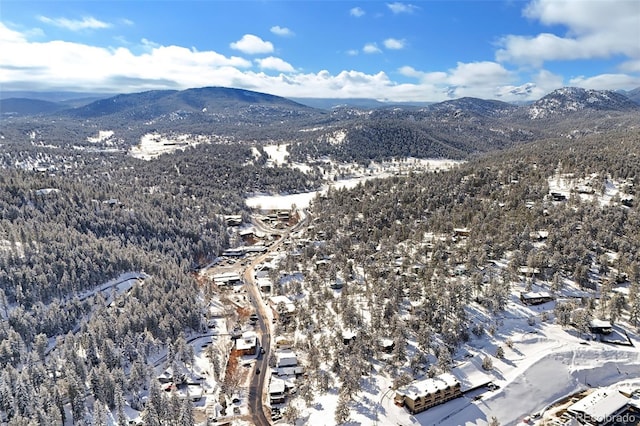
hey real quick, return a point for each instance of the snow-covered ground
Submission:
(154, 144)
(545, 364)
(277, 154)
(586, 188)
(103, 135)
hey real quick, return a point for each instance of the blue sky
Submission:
(388, 50)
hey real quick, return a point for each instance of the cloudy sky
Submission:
(400, 51)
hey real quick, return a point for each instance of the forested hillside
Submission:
(70, 223)
(413, 254)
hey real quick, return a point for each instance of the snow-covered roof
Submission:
(226, 277)
(385, 343)
(597, 323)
(276, 386)
(348, 334)
(289, 371)
(247, 341)
(286, 359)
(601, 404)
(536, 295)
(429, 386)
(264, 282)
(471, 375)
(276, 300)
(528, 270)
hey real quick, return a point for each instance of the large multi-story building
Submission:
(423, 394)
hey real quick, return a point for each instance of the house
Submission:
(289, 371)
(233, 220)
(539, 235)
(264, 284)
(286, 359)
(234, 252)
(282, 307)
(536, 298)
(194, 392)
(600, 407)
(529, 271)
(348, 336)
(600, 326)
(322, 264)
(386, 345)
(247, 344)
(283, 343)
(276, 390)
(247, 235)
(423, 394)
(283, 215)
(461, 232)
(227, 278)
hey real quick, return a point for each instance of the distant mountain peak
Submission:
(568, 100)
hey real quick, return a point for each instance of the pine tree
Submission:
(99, 414)
(121, 416)
(342, 412)
(186, 417)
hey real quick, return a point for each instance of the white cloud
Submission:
(595, 29)
(371, 48)
(357, 12)
(394, 44)
(353, 52)
(398, 7)
(631, 66)
(86, 23)
(251, 45)
(273, 63)
(281, 31)
(62, 65)
(485, 73)
(606, 81)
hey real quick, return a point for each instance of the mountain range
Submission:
(453, 128)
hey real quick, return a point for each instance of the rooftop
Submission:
(428, 386)
(601, 404)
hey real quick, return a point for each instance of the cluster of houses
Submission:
(285, 372)
(183, 382)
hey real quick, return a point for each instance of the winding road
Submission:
(257, 386)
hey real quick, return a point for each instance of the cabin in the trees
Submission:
(423, 394)
(600, 326)
(282, 307)
(461, 232)
(386, 345)
(536, 298)
(558, 196)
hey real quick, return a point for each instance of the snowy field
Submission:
(278, 155)
(154, 144)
